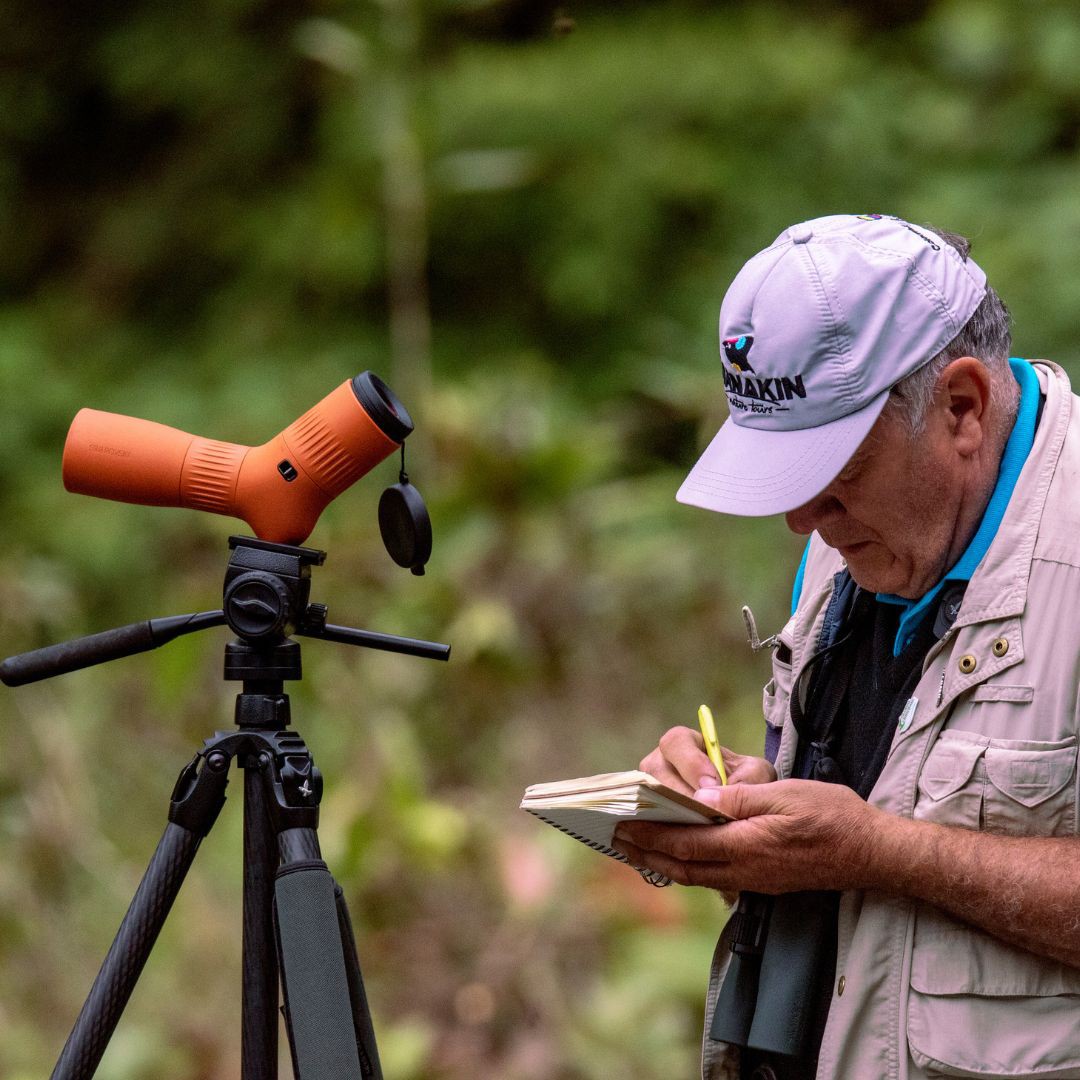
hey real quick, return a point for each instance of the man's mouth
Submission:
(848, 550)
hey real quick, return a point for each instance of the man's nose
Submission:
(813, 514)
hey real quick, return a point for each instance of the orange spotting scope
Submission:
(279, 488)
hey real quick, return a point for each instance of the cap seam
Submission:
(925, 284)
(930, 290)
(842, 348)
(938, 298)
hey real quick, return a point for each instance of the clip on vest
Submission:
(756, 643)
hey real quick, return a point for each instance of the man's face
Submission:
(892, 513)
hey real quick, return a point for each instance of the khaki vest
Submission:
(992, 745)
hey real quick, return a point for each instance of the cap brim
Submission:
(752, 472)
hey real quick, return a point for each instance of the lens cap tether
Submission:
(404, 523)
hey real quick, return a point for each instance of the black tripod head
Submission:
(267, 587)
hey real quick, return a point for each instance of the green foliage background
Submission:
(214, 211)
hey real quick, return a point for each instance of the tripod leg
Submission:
(197, 800)
(115, 981)
(365, 1033)
(259, 1024)
(324, 1033)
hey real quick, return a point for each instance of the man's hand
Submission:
(680, 762)
(788, 836)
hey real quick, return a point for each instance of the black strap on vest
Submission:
(784, 948)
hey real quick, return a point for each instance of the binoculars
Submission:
(780, 947)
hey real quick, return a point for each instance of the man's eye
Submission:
(849, 472)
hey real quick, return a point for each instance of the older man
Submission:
(911, 880)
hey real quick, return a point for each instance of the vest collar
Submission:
(998, 588)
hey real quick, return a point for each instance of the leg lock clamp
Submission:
(199, 794)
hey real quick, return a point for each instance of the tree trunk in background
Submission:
(405, 203)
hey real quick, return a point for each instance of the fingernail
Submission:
(709, 781)
(709, 795)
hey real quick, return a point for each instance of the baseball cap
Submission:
(814, 330)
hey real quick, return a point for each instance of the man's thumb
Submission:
(738, 800)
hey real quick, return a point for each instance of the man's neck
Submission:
(974, 500)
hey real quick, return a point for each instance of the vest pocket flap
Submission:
(949, 766)
(1021, 695)
(1030, 776)
(979, 1007)
(971, 962)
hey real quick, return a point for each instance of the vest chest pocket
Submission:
(1031, 792)
(1014, 786)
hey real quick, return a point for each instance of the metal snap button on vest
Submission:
(840, 986)
(1000, 646)
(968, 664)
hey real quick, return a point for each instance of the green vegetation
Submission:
(211, 214)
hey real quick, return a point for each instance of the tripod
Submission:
(296, 926)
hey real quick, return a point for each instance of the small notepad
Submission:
(590, 807)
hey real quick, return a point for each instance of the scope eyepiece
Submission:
(383, 406)
(279, 488)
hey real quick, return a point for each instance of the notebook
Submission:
(589, 808)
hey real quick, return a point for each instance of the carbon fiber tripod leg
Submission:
(365, 1032)
(196, 802)
(259, 1024)
(115, 981)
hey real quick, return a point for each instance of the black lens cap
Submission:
(405, 526)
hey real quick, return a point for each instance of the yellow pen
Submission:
(712, 744)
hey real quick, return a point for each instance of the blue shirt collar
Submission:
(1012, 461)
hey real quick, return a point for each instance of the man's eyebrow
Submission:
(863, 453)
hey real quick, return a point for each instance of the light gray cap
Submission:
(814, 330)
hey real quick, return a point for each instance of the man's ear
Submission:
(963, 395)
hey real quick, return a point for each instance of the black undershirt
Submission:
(879, 688)
(857, 739)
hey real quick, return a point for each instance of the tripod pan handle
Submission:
(79, 653)
(85, 652)
(347, 635)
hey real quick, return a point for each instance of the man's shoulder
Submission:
(1058, 538)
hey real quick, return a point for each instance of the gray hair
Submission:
(985, 336)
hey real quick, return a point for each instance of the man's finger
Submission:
(742, 769)
(715, 875)
(685, 750)
(687, 843)
(656, 766)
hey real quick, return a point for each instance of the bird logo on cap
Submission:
(736, 350)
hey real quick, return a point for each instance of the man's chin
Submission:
(872, 568)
